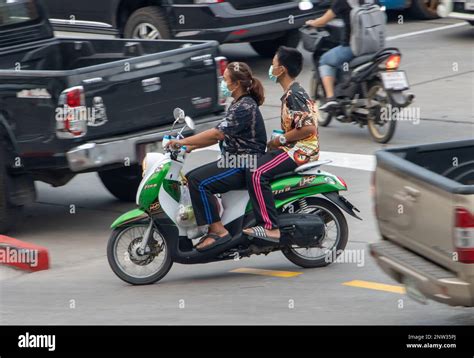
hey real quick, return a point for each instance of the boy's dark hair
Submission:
(291, 59)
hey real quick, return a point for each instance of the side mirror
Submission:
(179, 114)
(305, 5)
(190, 123)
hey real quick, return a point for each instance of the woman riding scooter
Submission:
(240, 134)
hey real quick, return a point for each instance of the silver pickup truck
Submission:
(424, 204)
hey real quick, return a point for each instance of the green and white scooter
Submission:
(145, 242)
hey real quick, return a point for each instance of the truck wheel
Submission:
(424, 9)
(8, 213)
(268, 48)
(147, 23)
(122, 183)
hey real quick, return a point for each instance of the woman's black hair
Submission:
(241, 73)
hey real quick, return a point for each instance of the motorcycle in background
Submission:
(370, 90)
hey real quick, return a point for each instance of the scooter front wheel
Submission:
(126, 261)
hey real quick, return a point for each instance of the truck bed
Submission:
(449, 166)
(137, 84)
(74, 54)
(417, 191)
(424, 204)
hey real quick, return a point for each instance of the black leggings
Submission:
(259, 186)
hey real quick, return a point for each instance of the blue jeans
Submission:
(332, 60)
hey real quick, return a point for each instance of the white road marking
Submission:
(421, 32)
(350, 160)
(342, 160)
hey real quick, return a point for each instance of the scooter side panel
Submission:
(150, 189)
(234, 203)
(292, 188)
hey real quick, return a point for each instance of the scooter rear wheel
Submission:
(330, 213)
(128, 264)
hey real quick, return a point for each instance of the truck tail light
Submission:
(221, 66)
(71, 116)
(464, 235)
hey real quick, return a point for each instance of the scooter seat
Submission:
(303, 169)
(361, 60)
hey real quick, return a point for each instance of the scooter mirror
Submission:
(178, 114)
(305, 5)
(190, 123)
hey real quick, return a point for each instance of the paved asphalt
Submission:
(80, 288)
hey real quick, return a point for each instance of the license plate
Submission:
(145, 148)
(413, 292)
(469, 5)
(396, 80)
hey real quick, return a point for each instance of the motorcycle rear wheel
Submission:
(128, 265)
(375, 121)
(329, 213)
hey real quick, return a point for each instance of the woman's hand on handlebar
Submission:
(174, 144)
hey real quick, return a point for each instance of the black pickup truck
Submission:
(70, 106)
(266, 24)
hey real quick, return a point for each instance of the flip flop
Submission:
(219, 241)
(259, 232)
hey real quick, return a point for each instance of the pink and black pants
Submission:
(259, 186)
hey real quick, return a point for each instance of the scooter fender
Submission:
(130, 217)
(343, 203)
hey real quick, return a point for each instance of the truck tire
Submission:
(122, 183)
(424, 9)
(268, 48)
(8, 212)
(148, 23)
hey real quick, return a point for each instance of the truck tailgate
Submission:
(416, 197)
(142, 92)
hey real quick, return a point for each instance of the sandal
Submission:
(259, 232)
(219, 240)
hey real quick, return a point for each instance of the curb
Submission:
(23, 255)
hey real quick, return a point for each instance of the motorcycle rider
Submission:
(241, 133)
(298, 145)
(334, 59)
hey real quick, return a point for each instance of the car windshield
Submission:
(14, 12)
